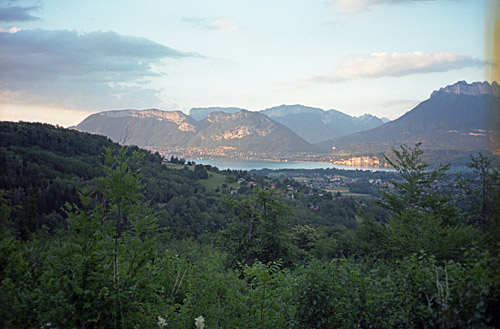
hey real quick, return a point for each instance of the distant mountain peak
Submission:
(221, 116)
(473, 89)
(243, 131)
(284, 110)
(150, 113)
(452, 123)
(179, 118)
(315, 124)
(200, 113)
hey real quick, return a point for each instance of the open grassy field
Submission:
(340, 189)
(345, 192)
(215, 180)
(358, 195)
(176, 166)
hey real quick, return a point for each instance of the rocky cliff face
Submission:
(474, 89)
(200, 113)
(310, 123)
(226, 117)
(241, 124)
(244, 131)
(177, 117)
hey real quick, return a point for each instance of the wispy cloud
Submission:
(18, 13)
(218, 24)
(11, 30)
(365, 5)
(223, 25)
(400, 64)
(81, 70)
(379, 65)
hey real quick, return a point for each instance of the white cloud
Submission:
(356, 5)
(218, 24)
(400, 64)
(11, 30)
(223, 25)
(365, 5)
(379, 65)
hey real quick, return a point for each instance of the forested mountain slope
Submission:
(43, 167)
(151, 244)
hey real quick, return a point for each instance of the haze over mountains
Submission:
(312, 124)
(456, 117)
(243, 131)
(316, 125)
(454, 121)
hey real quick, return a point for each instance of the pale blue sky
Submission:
(73, 58)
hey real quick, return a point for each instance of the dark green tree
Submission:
(418, 187)
(422, 217)
(200, 172)
(6, 209)
(482, 192)
(28, 216)
(112, 250)
(260, 231)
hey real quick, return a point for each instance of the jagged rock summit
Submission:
(200, 113)
(473, 89)
(455, 120)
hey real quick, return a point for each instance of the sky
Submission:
(61, 61)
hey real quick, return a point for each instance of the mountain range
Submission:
(243, 131)
(312, 124)
(200, 113)
(316, 125)
(456, 118)
(454, 121)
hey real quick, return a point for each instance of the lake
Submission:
(261, 164)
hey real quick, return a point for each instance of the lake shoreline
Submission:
(279, 165)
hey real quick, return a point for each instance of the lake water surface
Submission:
(261, 164)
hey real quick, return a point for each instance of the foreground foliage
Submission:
(427, 264)
(41, 286)
(416, 292)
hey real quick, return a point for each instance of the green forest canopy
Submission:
(97, 235)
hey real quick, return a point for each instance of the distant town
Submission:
(231, 153)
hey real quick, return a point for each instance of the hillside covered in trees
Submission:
(97, 235)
